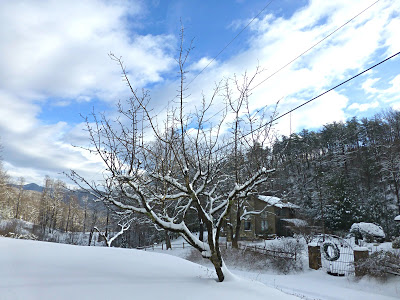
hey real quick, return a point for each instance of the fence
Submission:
(163, 246)
(333, 254)
(244, 247)
(269, 252)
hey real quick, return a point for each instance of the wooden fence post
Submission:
(360, 253)
(314, 256)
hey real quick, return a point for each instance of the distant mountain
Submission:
(78, 193)
(33, 187)
(29, 187)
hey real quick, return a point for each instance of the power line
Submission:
(316, 44)
(309, 101)
(223, 49)
(304, 52)
(227, 45)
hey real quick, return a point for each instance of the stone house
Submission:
(276, 217)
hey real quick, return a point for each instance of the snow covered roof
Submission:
(277, 202)
(397, 218)
(296, 222)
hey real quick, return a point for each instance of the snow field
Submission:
(311, 284)
(40, 270)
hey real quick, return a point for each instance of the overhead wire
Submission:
(227, 45)
(303, 53)
(316, 44)
(309, 101)
(222, 50)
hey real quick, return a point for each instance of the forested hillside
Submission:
(340, 174)
(343, 173)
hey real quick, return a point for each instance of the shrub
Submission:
(276, 258)
(396, 243)
(380, 264)
(369, 232)
(28, 236)
(8, 227)
(281, 261)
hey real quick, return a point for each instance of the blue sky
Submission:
(54, 65)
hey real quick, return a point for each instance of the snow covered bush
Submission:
(28, 236)
(275, 258)
(245, 259)
(282, 262)
(380, 264)
(368, 232)
(8, 226)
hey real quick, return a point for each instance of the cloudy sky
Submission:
(54, 65)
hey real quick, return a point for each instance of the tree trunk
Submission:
(68, 216)
(236, 237)
(90, 236)
(108, 216)
(167, 240)
(217, 262)
(201, 231)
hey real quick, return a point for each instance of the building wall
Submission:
(271, 214)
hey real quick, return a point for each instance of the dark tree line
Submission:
(344, 173)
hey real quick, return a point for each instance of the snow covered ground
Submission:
(312, 284)
(41, 270)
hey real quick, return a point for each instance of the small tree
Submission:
(180, 170)
(124, 224)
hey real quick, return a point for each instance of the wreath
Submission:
(336, 251)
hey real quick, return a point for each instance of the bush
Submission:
(380, 264)
(276, 258)
(369, 232)
(8, 227)
(28, 236)
(396, 243)
(281, 261)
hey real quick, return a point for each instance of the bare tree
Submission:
(19, 197)
(249, 149)
(5, 193)
(180, 170)
(124, 224)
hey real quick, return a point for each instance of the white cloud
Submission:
(367, 85)
(32, 149)
(327, 109)
(389, 94)
(276, 41)
(59, 48)
(202, 63)
(396, 106)
(364, 106)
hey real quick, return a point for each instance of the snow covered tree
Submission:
(180, 170)
(248, 150)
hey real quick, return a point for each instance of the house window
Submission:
(264, 225)
(247, 225)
